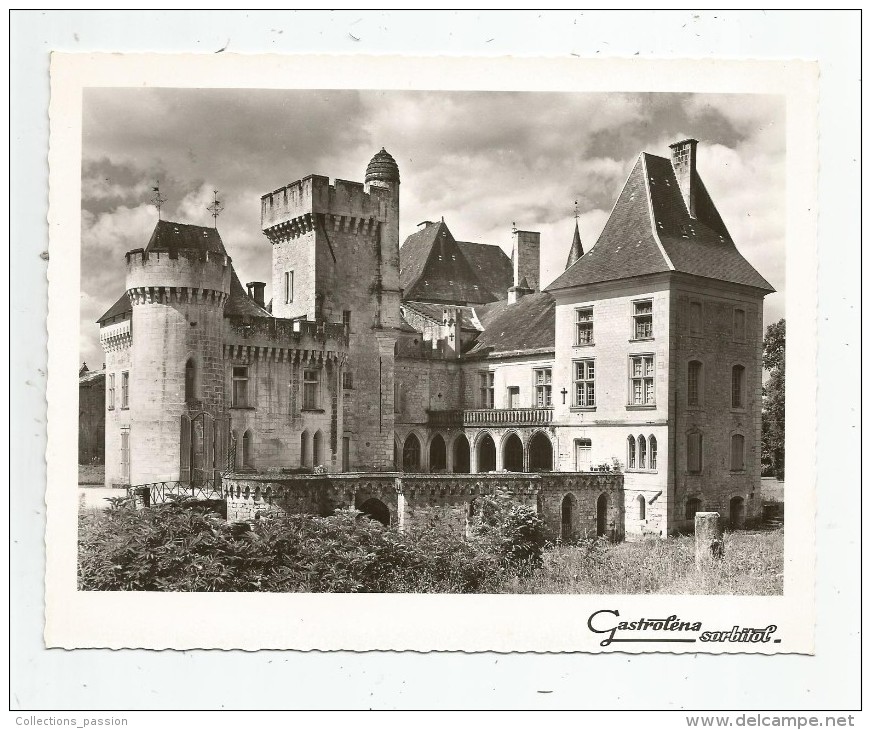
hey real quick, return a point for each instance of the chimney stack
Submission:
(683, 160)
(526, 259)
(256, 290)
(451, 331)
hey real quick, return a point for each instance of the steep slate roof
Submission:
(171, 236)
(528, 324)
(492, 266)
(121, 306)
(433, 268)
(628, 247)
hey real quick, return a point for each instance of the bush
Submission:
(183, 546)
(513, 531)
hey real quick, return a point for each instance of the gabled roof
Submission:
(171, 236)
(491, 265)
(628, 245)
(433, 268)
(528, 324)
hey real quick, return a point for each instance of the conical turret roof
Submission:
(382, 167)
(577, 250)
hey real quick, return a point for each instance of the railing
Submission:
(491, 417)
(161, 492)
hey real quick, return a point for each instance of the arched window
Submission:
(642, 452)
(694, 383)
(248, 449)
(642, 507)
(190, 381)
(438, 454)
(411, 454)
(738, 386)
(566, 518)
(651, 446)
(631, 460)
(737, 462)
(512, 453)
(693, 505)
(318, 449)
(304, 449)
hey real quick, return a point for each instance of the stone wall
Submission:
(421, 499)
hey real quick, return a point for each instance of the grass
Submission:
(91, 475)
(753, 565)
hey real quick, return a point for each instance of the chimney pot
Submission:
(256, 290)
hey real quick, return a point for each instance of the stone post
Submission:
(141, 497)
(709, 539)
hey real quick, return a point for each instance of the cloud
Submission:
(483, 160)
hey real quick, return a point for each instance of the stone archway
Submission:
(512, 453)
(540, 453)
(486, 453)
(567, 518)
(462, 462)
(376, 510)
(736, 512)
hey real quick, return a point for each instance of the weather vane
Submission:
(157, 200)
(216, 208)
(576, 211)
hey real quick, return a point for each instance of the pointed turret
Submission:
(577, 250)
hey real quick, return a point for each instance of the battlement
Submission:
(276, 333)
(317, 195)
(186, 270)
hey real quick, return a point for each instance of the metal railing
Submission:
(162, 492)
(491, 417)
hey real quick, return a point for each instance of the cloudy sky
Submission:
(481, 160)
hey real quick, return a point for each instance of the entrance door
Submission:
(583, 449)
(566, 522)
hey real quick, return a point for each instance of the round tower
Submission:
(382, 173)
(178, 295)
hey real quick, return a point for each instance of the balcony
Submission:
(491, 417)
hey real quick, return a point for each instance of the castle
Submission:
(621, 399)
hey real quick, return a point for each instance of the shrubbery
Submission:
(186, 547)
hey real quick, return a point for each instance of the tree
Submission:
(774, 400)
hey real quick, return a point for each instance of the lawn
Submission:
(91, 475)
(753, 565)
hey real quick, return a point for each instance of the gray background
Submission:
(97, 679)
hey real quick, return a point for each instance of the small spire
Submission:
(157, 200)
(577, 249)
(216, 208)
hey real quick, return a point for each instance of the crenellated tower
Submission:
(335, 258)
(178, 286)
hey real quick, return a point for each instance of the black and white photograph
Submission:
(450, 342)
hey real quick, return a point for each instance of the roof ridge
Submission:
(650, 210)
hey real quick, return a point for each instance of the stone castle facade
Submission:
(622, 399)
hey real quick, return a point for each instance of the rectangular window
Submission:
(641, 386)
(738, 386)
(584, 326)
(695, 318)
(694, 452)
(125, 455)
(486, 389)
(125, 389)
(311, 381)
(642, 320)
(240, 386)
(346, 319)
(694, 372)
(514, 397)
(543, 388)
(585, 383)
(347, 380)
(583, 454)
(739, 322)
(397, 397)
(110, 391)
(288, 287)
(737, 462)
